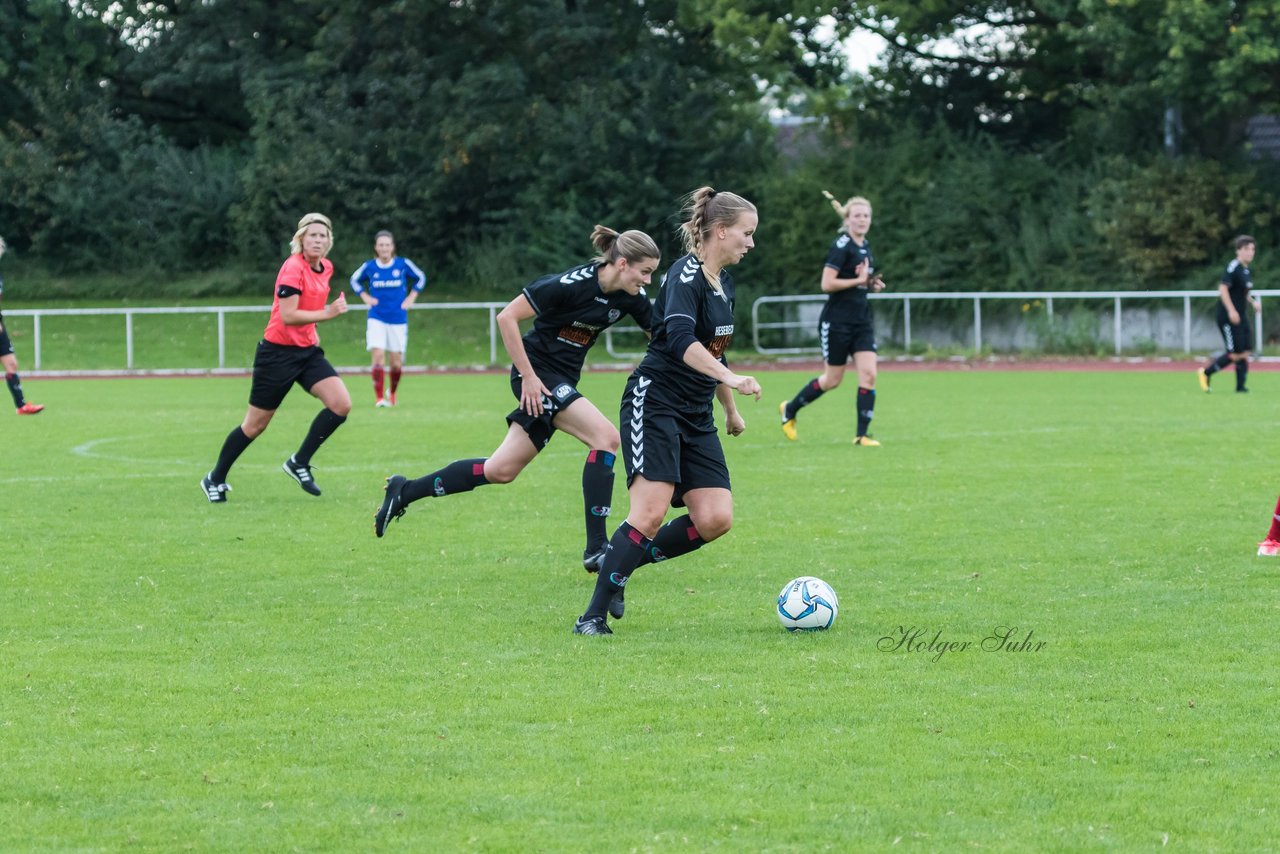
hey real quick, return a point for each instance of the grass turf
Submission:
(265, 674)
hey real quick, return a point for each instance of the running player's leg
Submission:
(582, 420)
(1221, 360)
(627, 546)
(1242, 368)
(865, 362)
(836, 347)
(11, 378)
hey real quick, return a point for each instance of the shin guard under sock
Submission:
(232, 448)
(458, 476)
(322, 427)
(597, 496)
(866, 409)
(626, 549)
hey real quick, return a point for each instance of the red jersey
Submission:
(312, 289)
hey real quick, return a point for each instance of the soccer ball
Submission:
(807, 604)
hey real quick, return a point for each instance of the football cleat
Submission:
(391, 399)
(1204, 379)
(381, 402)
(593, 626)
(865, 442)
(30, 408)
(788, 424)
(392, 504)
(617, 606)
(1269, 548)
(302, 474)
(592, 561)
(215, 492)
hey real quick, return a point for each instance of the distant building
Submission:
(1262, 137)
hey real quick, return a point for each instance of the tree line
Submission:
(1027, 144)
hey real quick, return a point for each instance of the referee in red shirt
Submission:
(289, 353)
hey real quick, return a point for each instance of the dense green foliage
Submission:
(490, 137)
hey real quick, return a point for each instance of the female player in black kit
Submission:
(669, 443)
(570, 310)
(845, 327)
(1234, 301)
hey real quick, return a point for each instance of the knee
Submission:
(607, 441)
(341, 408)
(498, 473)
(714, 525)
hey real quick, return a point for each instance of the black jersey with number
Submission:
(687, 294)
(1239, 282)
(572, 311)
(849, 305)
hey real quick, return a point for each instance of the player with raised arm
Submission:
(290, 353)
(670, 447)
(846, 327)
(569, 311)
(388, 284)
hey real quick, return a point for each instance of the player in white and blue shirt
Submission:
(388, 284)
(569, 310)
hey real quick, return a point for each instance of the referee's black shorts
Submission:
(276, 367)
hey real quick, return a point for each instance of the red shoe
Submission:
(392, 398)
(1269, 548)
(30, 408)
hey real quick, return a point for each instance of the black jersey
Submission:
(1239, 282)
(849, 305)
(572, 311)
(686, 296)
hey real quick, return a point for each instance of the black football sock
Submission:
(15, 389)
(866, 409)
(322, 427)
(1242, 373)
(597, 496)
(1218, 364)
(811, 392)
(677, 537)
(232, 448)
(458, 476)
(626, 548)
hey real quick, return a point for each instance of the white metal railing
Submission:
(631, 331)
(222, 311)
(1047, 297)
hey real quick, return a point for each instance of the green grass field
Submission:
(266, 675)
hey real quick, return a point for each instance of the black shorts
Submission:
(667, 447)
(1237, 336)
(276, 367)
(842, 340)
(6, 346)
(564, 391)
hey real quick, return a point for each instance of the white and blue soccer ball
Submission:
(807, 604)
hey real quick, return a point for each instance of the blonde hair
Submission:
(855, 200)
(295, 245)
(635, 246)
(705, 208)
